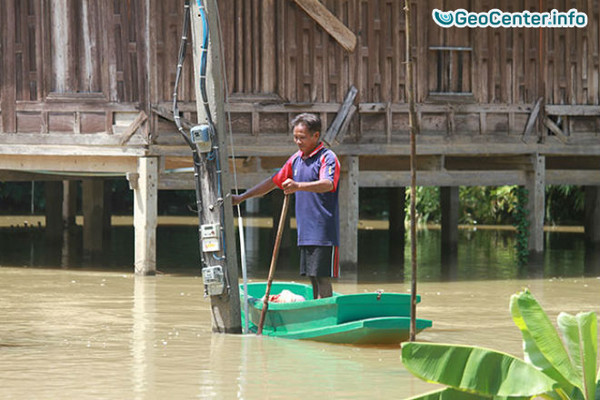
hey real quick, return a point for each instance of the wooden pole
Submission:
(216, 207)
(413, 174)
(284, 208)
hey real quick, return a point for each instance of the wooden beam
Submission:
(535, 184)
(60, 148)
(441, 178)
(348, 193)
(575, 110)
(185, 181)
(344, 113)
(247, 104)
(8, 96)
(329, 22)
(573, 177)
(168, 115)
(532, 117)
(135, 125)
(556, 130)
(72, 162)
(145, 211)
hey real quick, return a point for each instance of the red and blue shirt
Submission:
(317, 214)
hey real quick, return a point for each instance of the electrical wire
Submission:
(195, 156)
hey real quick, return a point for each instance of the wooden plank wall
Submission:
(505, 70)
(68, 63)
(276, 54)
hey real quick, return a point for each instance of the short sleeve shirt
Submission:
(317, 214)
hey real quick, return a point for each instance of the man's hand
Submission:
(290, 186)
(236, 199)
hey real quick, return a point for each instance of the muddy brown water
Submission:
(77, 329)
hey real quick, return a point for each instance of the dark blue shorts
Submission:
(319, 261)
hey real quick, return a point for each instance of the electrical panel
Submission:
(214, 280)
(210, 234)
(200, 135)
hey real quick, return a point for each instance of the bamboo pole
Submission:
(413, 173)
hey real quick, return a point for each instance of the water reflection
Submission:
(142, 341)
(479, 255)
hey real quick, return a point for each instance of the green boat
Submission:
(364, 318)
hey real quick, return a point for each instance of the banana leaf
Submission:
(541, 344)
(449, 394)
(475, 369)
(580, 334)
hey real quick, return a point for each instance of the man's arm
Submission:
(257, 191)
(321, 186)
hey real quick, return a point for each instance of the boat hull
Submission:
(364, 318)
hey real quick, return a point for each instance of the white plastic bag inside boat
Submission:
(285, 296)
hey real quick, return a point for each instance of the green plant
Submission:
(565, 204)
(521, 223)
(552, 369)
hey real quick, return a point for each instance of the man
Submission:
(313, 175)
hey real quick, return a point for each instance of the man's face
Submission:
(305, 141)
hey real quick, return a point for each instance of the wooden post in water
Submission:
(214, 208)
(412, 120)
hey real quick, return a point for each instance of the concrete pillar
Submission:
(592, 214)
(397, 231)
(145, 214)
(536, 182)
(93, 212)
(450, 205)
(348, 199)
(53, 212)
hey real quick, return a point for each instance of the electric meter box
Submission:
(210, 234)
(214, 280)
(200, 135)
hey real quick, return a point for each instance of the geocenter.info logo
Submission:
(495, 18)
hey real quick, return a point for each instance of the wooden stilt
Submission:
(54, 225)
(397, 230)
(536, 181)
(69, 206)
(107, 211)
(348, 198)
(93, 210)
(145, 200)
(450, 207)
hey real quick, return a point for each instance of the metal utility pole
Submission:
(217, 240)
(412, 120)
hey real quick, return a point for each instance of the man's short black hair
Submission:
(311, 121)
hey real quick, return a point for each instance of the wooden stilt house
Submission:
(86, 88)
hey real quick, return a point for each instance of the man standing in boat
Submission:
(312, 174)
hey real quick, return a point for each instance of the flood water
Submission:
(73, 328)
